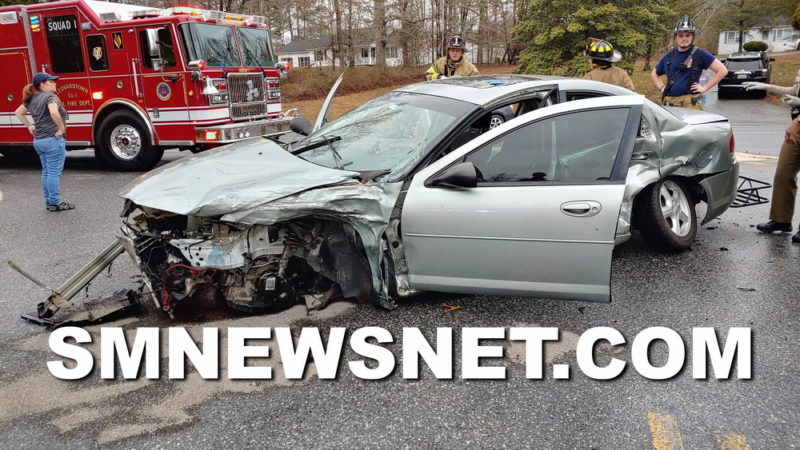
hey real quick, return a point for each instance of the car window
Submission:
(578, 147)
(743, 64)
(502, 114)
(581, 95)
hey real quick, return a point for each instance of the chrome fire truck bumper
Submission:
(223, 134)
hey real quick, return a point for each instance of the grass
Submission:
(642, 82)
(311, 83)
(784, 70)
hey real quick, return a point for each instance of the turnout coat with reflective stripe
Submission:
(462, 68)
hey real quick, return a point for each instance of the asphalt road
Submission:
(733, 277)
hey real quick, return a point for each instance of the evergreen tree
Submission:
(556, 31)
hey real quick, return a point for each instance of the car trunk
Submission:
(695, 117)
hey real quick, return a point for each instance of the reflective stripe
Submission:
(434, 75)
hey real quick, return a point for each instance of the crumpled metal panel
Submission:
(712, 158)
(677, 151)
(366, 207)
(640, 175)
(696, 117)
(228, 252)
(721, 191)
(229, 178)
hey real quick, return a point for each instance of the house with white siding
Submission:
(779, 39)
(320, 52)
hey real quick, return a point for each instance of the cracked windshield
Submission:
(389, 133)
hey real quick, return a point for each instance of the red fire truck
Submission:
(138, 80)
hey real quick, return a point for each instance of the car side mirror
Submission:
(301, 125)
(462, 175)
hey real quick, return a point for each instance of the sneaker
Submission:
(772, 226)
(796, 237)
(63, 206)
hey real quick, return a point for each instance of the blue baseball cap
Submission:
(41, 77)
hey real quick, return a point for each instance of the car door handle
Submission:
(586, 208)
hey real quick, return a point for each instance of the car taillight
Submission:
(732, 144)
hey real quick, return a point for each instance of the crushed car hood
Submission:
(228, 179)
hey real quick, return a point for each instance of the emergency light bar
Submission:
(218, 16)
(185, 10)
(144, 13)
(109, 17)
(208, 15)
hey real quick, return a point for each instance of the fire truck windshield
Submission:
(255, 46)
(214, 44)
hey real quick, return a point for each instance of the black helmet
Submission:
(685, 24)
(602, 50)
(457, 42)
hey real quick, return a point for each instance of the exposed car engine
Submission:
(252, 268)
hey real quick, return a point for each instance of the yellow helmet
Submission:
(602, 50)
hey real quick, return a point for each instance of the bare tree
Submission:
(379, 25)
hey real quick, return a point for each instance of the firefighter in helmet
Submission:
(602, 57)
(454, 64)
(683, 65)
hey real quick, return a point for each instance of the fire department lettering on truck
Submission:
(136, 81)
(72, 99)
(61, 25)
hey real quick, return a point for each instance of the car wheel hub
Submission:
(126, 142)
(495, 122)
(675, 208)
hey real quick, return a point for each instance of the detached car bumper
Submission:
(720, 191)
(233, 132)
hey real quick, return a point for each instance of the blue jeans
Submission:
(52, 152)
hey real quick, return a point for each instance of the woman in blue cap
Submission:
(39, 98)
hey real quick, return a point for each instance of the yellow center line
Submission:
(665, 431)
(732, 441)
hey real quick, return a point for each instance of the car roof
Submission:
(484, 89)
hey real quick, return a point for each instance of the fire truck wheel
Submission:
(124, 143)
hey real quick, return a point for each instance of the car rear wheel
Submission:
(496, 121)
(123, 143)
(722, 93)
(666, 216)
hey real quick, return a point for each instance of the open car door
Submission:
(528, 208)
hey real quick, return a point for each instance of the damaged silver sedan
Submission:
(415, 190)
